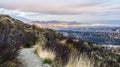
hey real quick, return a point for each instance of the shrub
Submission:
(48, 61)
(10, 42)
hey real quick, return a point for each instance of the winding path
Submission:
(28, 58)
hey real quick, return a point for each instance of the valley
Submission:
(99, 37)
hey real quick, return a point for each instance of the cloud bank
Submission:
(89, 11)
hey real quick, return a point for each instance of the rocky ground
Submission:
(28, 58)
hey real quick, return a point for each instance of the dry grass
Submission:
(74, 53)
(81, 61)
(44, 53)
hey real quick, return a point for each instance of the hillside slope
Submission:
(52, 47)
(14, 35)
(72, 52)
(11, 37)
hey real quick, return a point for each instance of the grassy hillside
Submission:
(71, 52)
(76, 53)
(51, 46)
(15, 34)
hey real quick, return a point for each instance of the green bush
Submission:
(48, 61)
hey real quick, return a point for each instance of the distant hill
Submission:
(54, 21)
(65, 25)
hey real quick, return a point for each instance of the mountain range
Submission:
(65, 25)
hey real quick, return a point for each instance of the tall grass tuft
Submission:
(79, 61)
(45, 55)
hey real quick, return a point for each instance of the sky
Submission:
(84, 11)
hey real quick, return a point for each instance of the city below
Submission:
(103, 34)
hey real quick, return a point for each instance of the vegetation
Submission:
(10, 41)
(13, 35)
(72, 52)
(51, 46)
(48, 61)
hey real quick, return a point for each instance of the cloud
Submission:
(62, 7)
(28, 16)
(18, 14)
(65, 10)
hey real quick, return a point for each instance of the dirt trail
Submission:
(29, 59)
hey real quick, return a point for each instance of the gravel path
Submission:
(29, 59)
